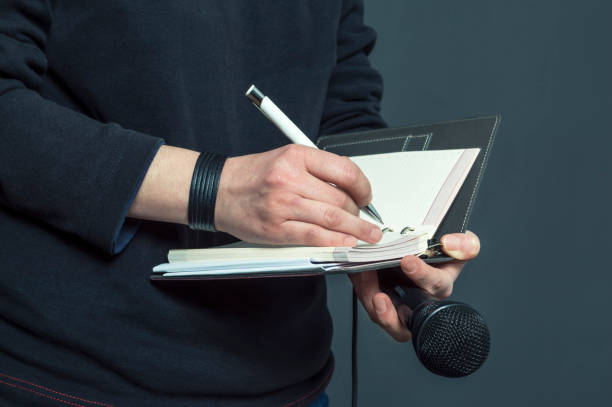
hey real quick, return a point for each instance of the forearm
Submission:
(164, 192)
(58, 166)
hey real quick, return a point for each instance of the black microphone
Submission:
(450, 338)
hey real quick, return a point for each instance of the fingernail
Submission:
(380, 305)
(475, 243)
(375, 235)
(451, 243)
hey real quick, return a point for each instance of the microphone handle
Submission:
(403, 291)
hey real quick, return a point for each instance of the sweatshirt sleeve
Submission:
(57, 166)
(355, 88)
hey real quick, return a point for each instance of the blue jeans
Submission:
(321, 401)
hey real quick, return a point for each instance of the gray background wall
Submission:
(543, 280)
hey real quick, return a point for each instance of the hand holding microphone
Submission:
(450, 338)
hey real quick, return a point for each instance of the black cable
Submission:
(354, 377)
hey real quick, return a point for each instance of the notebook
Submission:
(412, 190)
(256, 262)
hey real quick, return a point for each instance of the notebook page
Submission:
(451, 187)
(214, 267)
(246, 251)
(405, 184)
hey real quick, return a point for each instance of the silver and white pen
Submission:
(293, 133)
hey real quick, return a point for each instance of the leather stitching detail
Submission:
(410, 136)
(482, 165)
(406, 142)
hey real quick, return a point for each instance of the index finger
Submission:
(379, 306)
(340, 171)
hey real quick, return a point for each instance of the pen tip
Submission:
(376, 214)
(371, 211)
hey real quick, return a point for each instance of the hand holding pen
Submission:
(293, 133)
(294, 195)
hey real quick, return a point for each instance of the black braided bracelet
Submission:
(203, 192)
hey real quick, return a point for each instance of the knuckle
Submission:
(331, 218)
(441, 287)
(437, 286)
(293, 151)
(445, 293)
(345, 202)
(360, 186)
(350, 171)
(341, 200)
(275, 177)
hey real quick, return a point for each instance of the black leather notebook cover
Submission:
(468, 133)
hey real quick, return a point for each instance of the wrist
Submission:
(164, 193)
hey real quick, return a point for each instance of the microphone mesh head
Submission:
(450, 338)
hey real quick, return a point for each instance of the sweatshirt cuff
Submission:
(128, 226)
(129, 156)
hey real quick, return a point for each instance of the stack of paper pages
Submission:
(412, 191)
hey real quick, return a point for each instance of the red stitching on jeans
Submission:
(316, 389)
(42, 394)
(52, 391)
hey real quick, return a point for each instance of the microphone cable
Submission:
(354, 378)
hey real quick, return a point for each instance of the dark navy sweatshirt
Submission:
(89, 90)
